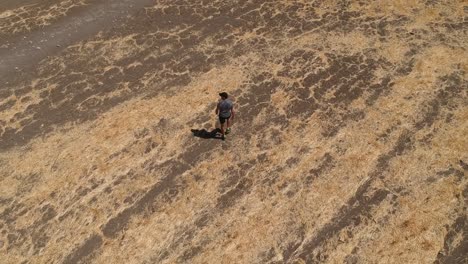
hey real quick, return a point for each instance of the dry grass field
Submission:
(349, 146)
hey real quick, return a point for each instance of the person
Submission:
(225, 112)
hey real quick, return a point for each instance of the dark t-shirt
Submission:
(225, 107)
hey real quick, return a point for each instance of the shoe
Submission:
(228, 130)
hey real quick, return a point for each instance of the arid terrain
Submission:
(350, 143)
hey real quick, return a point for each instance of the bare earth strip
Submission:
(53, 27)
(349, 145)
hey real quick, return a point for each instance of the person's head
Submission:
(223, 95)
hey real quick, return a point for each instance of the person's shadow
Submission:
(203, 133)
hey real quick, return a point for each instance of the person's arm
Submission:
(233, 113)
(217, 108)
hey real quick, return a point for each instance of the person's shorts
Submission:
(222, 120)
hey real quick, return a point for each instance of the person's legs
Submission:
(222, 121)
(228, 125)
